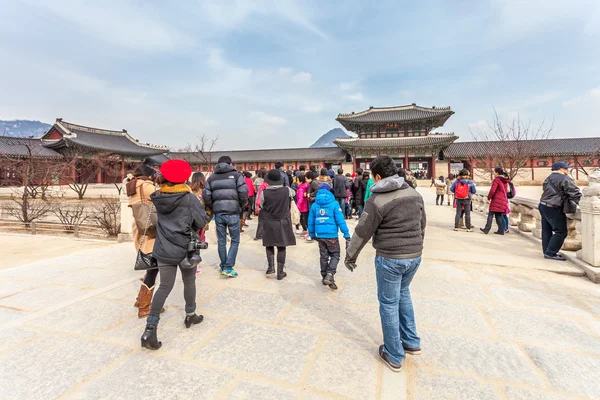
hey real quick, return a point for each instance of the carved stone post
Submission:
(126, 218)
(514, 218)
(590, 221)
(536, 229)
(527, 223)
(573, 240)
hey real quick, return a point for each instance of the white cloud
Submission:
(346, 86)
(595, 92)
(267, 119)
(302, 77)
(285, 70)
(478, 126)
(313, 108)
(358, 96)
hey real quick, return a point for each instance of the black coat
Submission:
(275, 217)
(180, 215)
(340, 186)
(225, 191)
(358, 190)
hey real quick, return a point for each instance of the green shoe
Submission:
(229, 272)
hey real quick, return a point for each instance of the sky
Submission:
(276, 73)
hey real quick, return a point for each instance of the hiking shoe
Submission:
(323, 281)
(328, 280)
(557, 257)
(386, 360)
(230, 272)
(469, 230)
(413, 351)
(484, 231)
(333, 286)
(499, 233)
(456, 229)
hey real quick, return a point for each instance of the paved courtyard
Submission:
(497, 321)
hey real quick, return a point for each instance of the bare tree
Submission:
(83, 167)
(106, 215)
(201, 152)
(71, 215)
(510, 145)
(587, 165)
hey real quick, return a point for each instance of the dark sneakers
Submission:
(557, 257)
(328, 280)
(193, 320)
(385, 359)
(412, 351)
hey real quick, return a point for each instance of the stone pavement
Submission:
(497, 322)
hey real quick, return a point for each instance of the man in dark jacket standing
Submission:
(340, 189)
(286, 179)
(559, 189)
(226, 193)
(395, 217)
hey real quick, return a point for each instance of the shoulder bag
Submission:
(143, 212)
(568, 205)
(143, 260)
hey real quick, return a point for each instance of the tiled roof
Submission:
(16, 147)
(395, 114)
(101, 140)
(266, 155)
(546, 147)
(431, 140)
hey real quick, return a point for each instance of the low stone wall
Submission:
(583, 227)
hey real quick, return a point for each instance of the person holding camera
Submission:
(180, 217)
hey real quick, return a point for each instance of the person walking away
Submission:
(180, 215)
(251, 194)
(313, 188)
(449, 194)
(275, 202)
(139, 188)
(279, 167)
(226, 194)
(511, 193)
(324, 178)
(263, 186)
(498, 202)
(340, 189)
(360, 193)
(463, 189)
(395, 218)
(408, 178)
(198, 182)
(325, 219)
(302, 203)
(440, 190)
(357, 188)
(559, 197)
(301, 170)
(258, 180)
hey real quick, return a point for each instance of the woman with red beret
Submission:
(180, 217)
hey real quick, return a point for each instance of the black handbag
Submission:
(568, 205)
(143, 260)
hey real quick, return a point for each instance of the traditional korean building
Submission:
(403, 133)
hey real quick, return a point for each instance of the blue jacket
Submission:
(326, 217)
(472, 188)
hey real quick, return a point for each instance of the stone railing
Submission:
(583, 227)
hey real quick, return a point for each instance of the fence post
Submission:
(33, 232)
(76, 231)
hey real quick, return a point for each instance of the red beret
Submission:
(176, 171)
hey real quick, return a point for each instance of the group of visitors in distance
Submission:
(389, 210)
(560, 196)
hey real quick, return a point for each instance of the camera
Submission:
(196, 245)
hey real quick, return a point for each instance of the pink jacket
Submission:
(302, 200)
(262, 187)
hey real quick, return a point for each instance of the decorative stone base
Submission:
(125, 237)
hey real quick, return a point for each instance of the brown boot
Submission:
(145, 300)
(137, 300)
(242, 222)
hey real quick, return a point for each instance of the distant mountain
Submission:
(23, 128)
(327, 139)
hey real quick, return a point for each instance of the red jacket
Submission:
(250, 185)
(497, 195)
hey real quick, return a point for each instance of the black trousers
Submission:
(439, 196)
(281, 252)
(150, 277)
(460, 203)
(499, 221)
(329, 250)
(304, 221)
(554, 229)
(259, 229)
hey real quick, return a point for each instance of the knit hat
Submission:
(274, 177)
(325, 186)
(176, 171)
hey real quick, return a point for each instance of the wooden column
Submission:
(122, 169)
(576, 168)
(99, 176)
(432, 169)
(448, 168)
(532, 170)
(406, 165)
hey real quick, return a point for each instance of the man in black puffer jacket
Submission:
(226, 193)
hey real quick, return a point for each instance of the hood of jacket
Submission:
(325, 197)
(388, 184)
(503, 179)
(464, 180)
(166, 203)
(223, 168)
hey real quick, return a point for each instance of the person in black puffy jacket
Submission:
(226, 193)
(340, 189)
(180, 216)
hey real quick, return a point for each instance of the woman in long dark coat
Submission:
(276, 219)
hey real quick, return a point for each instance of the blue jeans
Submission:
(395, 305)
(224, 222)
(554, 229)
(505, 222)
(360, 211)
(342, 202)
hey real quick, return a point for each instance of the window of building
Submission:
(542, 163)
(204, 169)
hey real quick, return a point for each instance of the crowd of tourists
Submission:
(173, 209)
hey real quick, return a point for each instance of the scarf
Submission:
(177, 188)
(131, 186)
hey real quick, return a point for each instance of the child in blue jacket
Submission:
(324, 220)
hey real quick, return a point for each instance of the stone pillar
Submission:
(573, 240)
(514, 218)
(590, 221)
(126, 219)
(528, 223)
